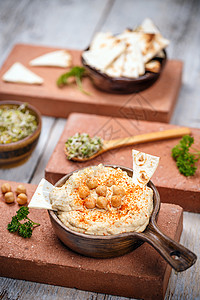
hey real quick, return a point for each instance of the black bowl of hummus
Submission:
(98, 212)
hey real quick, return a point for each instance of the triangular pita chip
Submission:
(133, 62)
(102, 40)
(153, 66)
(102, 58)
(144, 166)
(158, 44)
(60, 58)
(116, 68)
(20, 74)
(40, 198)
(148, 26)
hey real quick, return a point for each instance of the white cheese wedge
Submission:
(144, 166)
(20, 74)
(40, 198)
(60, 58)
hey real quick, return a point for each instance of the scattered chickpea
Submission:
(116, 201)
(22, 199)
(92, 183)
(101, 190)
(9, 197)
(83, 191)
(5, 188)
(20, 189)
(118, 190)
(110, 182)
(90, 203)
(101, 202)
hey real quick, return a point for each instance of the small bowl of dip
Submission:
(20, 128)
(87, 233)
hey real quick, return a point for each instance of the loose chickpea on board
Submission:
(9, 197)
(22, 199)
(20, 189)
(5, 188)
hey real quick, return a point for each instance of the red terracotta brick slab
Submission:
(154, 104)
(43, 258)
(173, 187)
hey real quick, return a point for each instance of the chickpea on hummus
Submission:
(102, 200)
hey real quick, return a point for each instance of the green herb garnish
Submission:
(186, 160)
(24, 228)
(82, 145)
(77, 73)
(16, 123)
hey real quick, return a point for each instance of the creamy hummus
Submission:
(118, 205)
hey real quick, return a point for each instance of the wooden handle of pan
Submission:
(148, 137)
(179, 257)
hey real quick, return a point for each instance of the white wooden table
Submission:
(71, 24)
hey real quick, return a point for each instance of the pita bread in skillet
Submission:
(60, 58)
(148, 27)
(149, 43)
(153, 66)
(20, 74)
(102, 40)
(102, 58)
(116, 68)
(158, 44)
(144, 166)
(133, 63)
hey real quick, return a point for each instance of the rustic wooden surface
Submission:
(71, 24)
(153, 104)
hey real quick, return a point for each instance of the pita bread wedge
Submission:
(116, 68)
(40, 198)
(160, 54)
(158, 44)
(102, 40)
(144, 166)
(148, 26)
(60, 58)
(133, 62)
(102, 58)
(20, 74)
(153, 66)
(139, 39)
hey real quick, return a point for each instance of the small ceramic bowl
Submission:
(16, 151)
(123, 85)
(100, 246)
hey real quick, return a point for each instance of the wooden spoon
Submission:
(136, 139)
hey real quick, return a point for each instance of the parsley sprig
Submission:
(24, 228)
(77, 73)
(185, 160)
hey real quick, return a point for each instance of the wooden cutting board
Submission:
(43, 258)
(154, 104)
(173, 187)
